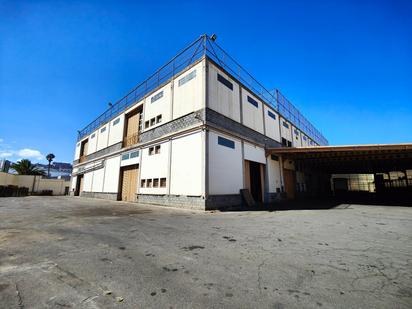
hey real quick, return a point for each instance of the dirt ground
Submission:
(62, 252)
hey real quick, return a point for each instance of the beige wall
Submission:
(34, 183)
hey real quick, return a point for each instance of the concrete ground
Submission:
(61, 252)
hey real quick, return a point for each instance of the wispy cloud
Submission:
(1, 140)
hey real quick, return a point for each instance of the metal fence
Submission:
(205, 46)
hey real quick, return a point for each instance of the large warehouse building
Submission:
(195, 134)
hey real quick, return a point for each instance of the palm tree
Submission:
(24, 167)
(49, 158)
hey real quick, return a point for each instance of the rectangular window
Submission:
(285, 125)
(125, 156)
(143, 183)
(102, 129)
(149, 183)
(156, 97)
(152, 121)
(289, 144)
(224, 81)
(156, 183)
(225, 142)
(274, 158)
(159, 119)
(284, 142)
(116, 121)
(296, 132)
(134, 154)
(162, 182)
(157, 149)
(93, 135)
(146, 124)
(304, 137)
(252, 101)
(186, 78)
(151, 151)
(271, 115)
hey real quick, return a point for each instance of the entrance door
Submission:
(290, 181)
(255, 181)
(131, 129)
(79, 185)
(129, 175)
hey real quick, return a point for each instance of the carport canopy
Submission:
(360, 159)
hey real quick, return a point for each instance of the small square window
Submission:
(143, 183)
(151, 151)
(149, 183)
(156, 183)
(93, 135)
(162, 182)
(116, 121)
(102, 129)
(285, 125)
(274, 158)
(152, 121)
(253, 101)
(125, 156)
(159, 119)
(225, 81)
(146, 124)
(134, 154)
(157, 149)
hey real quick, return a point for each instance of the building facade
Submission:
(193, 135)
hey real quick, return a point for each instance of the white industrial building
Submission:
(194, 134)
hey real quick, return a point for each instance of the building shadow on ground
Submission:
(325, 203)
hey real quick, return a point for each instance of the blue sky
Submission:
(347, 65)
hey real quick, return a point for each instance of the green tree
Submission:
(25, 167)
(49, 158)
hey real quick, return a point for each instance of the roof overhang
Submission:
(351, 158)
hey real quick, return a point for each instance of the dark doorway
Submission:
(255, 181)
(79, 185)
(289, 177)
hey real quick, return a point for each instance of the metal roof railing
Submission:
(205, 46)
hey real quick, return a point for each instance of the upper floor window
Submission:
(225, 142)
(116, 121)
(224, 81)
(93, 135)
(271, 115)
(154, 150)
(102, 129)
(274, 158)
(186, 78)
(252, 101)
(156, 97)
(134, 154)
(125, 156)
(285, 124)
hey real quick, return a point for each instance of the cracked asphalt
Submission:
(62, 252)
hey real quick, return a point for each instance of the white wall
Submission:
(92, 144)
(272, 125)
(116, 130)
(87, 182)
(73, 182)
(77, 151)
(286, 132)
(161, 106)
(98, 175)
(155, 166)
(296, 138)
(252, 115)
(112, 172)
(274, 175)
(221, 98)
(190, 96)
(103, 137)
(187, 165)
(225, 166)
(254, 153)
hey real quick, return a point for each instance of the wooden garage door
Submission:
(290, 183)
(129, 183)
